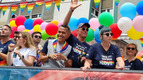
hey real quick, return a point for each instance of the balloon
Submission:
(13, 30)
(28, 24)
(43, 25)
(115, 30)
(60, 23)
(139, 8)
(124, 24)
(20, 20)
(133, 34)
(74, 32)
(21, 28)
(138, 23)
(37, 21)
(44, 35)
(31, 31)
(11, 19)
(51, 29)
(97, 36)
(90, 35)
(73, 23)
(26, 30)
(128, 10)
(139, 55)
(55, 22)
(94, 23)
(82, 20)
(37, 28)
(106, 19)
(12, 23)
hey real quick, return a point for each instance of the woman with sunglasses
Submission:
(132, 63)
(104, 54)
(24, 53)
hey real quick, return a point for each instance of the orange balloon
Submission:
(55, 22)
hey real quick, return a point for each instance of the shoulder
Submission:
(114, 46)
(96, 45)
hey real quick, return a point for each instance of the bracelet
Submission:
(10, 50)
(71, 10)
(49, 57)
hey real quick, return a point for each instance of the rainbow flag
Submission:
(13, 9)
(4, 8)
(141, 40)
(30, 6)
(58, 2)
(38, 3)
(22, 6)
(0, 7)
(96, 2)
(117, 2)
(48, 4)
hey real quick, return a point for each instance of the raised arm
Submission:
(73, 6)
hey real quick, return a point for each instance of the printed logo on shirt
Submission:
(78, 51)
(106, 60)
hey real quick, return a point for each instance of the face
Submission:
(5, 32)
(15, 37)
(131, 50)
(37, 38)
(62, 34)
(107, 36)
(82, 31)
(20, 40)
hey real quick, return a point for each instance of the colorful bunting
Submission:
(117, 2)
(48, 4)
(22, 6)
(30, 6)
(96, 2)
(38, 3)
(58, 2)
(4, 8)
(0, 7)
(13, 9)
(141, 40)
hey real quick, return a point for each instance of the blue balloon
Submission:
(82, 20)
(139, 8)
(97, 36)
(128, 10)
(72, 23)
(28, 24)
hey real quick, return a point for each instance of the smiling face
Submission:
(82, 31)
(131, 50)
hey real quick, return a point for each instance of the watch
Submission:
(23, 56)
(49, 57)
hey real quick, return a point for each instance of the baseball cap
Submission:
(82, 24)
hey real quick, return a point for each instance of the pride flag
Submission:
(48, 4)
(30, 6)
(96, 2)
(4, 8)
(57, 2)
(22, 6)
(117, 2)
(38, 3)
(13, 9)
(141, 40)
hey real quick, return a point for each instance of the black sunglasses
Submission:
(37, 36)
(18, 37)
(85, 29)
(107, 34)
(15, 36)
(130, 48)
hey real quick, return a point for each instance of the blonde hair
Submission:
(29, 41)
(135, 47)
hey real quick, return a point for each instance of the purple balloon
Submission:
(43, 25)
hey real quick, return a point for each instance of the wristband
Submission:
(71, 10)
(49, 57)
(10, 50)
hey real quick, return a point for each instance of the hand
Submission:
(60, 56)
(74, 4)
(120, 68)
(11, 47)
(18, 53)
(53, 56)
(85, 68)
(83, 59)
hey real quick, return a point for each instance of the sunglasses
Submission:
(85, 29)
(15, 36)
(130, 48)
(18, 37)
(107, 34)
(37, 36)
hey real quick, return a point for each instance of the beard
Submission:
(4, 35)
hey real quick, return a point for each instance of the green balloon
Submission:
(44, 35)
(106, 19)
(90, 35)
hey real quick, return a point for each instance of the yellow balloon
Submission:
(54, 22)
(37, 28)
(12, 23)
(26, 30)
(133, 34)
(96, 1)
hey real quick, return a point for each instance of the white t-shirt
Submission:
(26, 52)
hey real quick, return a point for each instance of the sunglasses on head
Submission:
(37, 36)
(130, 48)
(107, 34)
(85, 29)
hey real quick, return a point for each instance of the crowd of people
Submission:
(67, 50)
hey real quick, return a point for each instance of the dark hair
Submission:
(16, 32)
(65, 26)
(8, 27)
(103, 29)
(35, 33)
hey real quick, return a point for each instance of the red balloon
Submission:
(20, 20)
(13, 30)
(11, 19)
(74, 32)
(37, 21)
(51, 29)
(115, 30)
